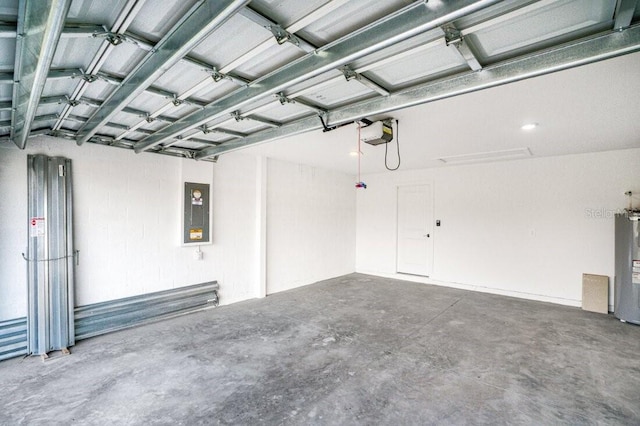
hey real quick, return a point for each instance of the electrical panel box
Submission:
(196, 221)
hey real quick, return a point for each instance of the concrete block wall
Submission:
(127, 211)
(526, 228)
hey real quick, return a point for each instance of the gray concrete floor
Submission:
(351, 350)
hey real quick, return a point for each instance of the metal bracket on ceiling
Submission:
(454, 39)
(73, 102)
(237, 116)
(349, 74)
(113, 38)
(177, 101)
(452, 36)
(282, 36)
(149, 119)
(285, 100)
(89, 78)
(216, 75)
(204, 129)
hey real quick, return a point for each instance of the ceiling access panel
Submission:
(75, 53)
(418, 67)
(352, 16)
(98, 12)
(157, 17)
(231, 41)
(270, 60)
(539, 27)
(286, 12)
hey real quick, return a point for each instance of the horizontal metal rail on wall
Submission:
(13, 338)
(100, 318)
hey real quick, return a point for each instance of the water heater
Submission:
(627, 280)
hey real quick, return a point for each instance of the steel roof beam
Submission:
(581, 52)
(148, 45)
(40, 25)
(625, 9)
(9, 30)
(308, 47)
(218, 74)
(124, 19)
(5, 106)
(202, 20)
(412, 20)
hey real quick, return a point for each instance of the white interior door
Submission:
(415, 239)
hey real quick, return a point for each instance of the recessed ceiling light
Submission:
(529, 126)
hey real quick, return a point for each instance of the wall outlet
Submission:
(198, 254)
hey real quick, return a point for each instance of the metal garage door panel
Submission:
(538, 25)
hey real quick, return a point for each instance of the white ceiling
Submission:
(592, 108)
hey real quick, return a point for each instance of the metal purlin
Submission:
(123, 21)
(50, 255)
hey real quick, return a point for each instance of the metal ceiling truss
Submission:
(40, 25)
(130, 10)
(570, 55)
(202, 20)
(410, 21)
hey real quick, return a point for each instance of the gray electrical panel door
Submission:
(627, 281)
(50, 255)
(196, 214)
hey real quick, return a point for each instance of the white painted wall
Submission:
(127, 213)
(526, 228)
(310, 225)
